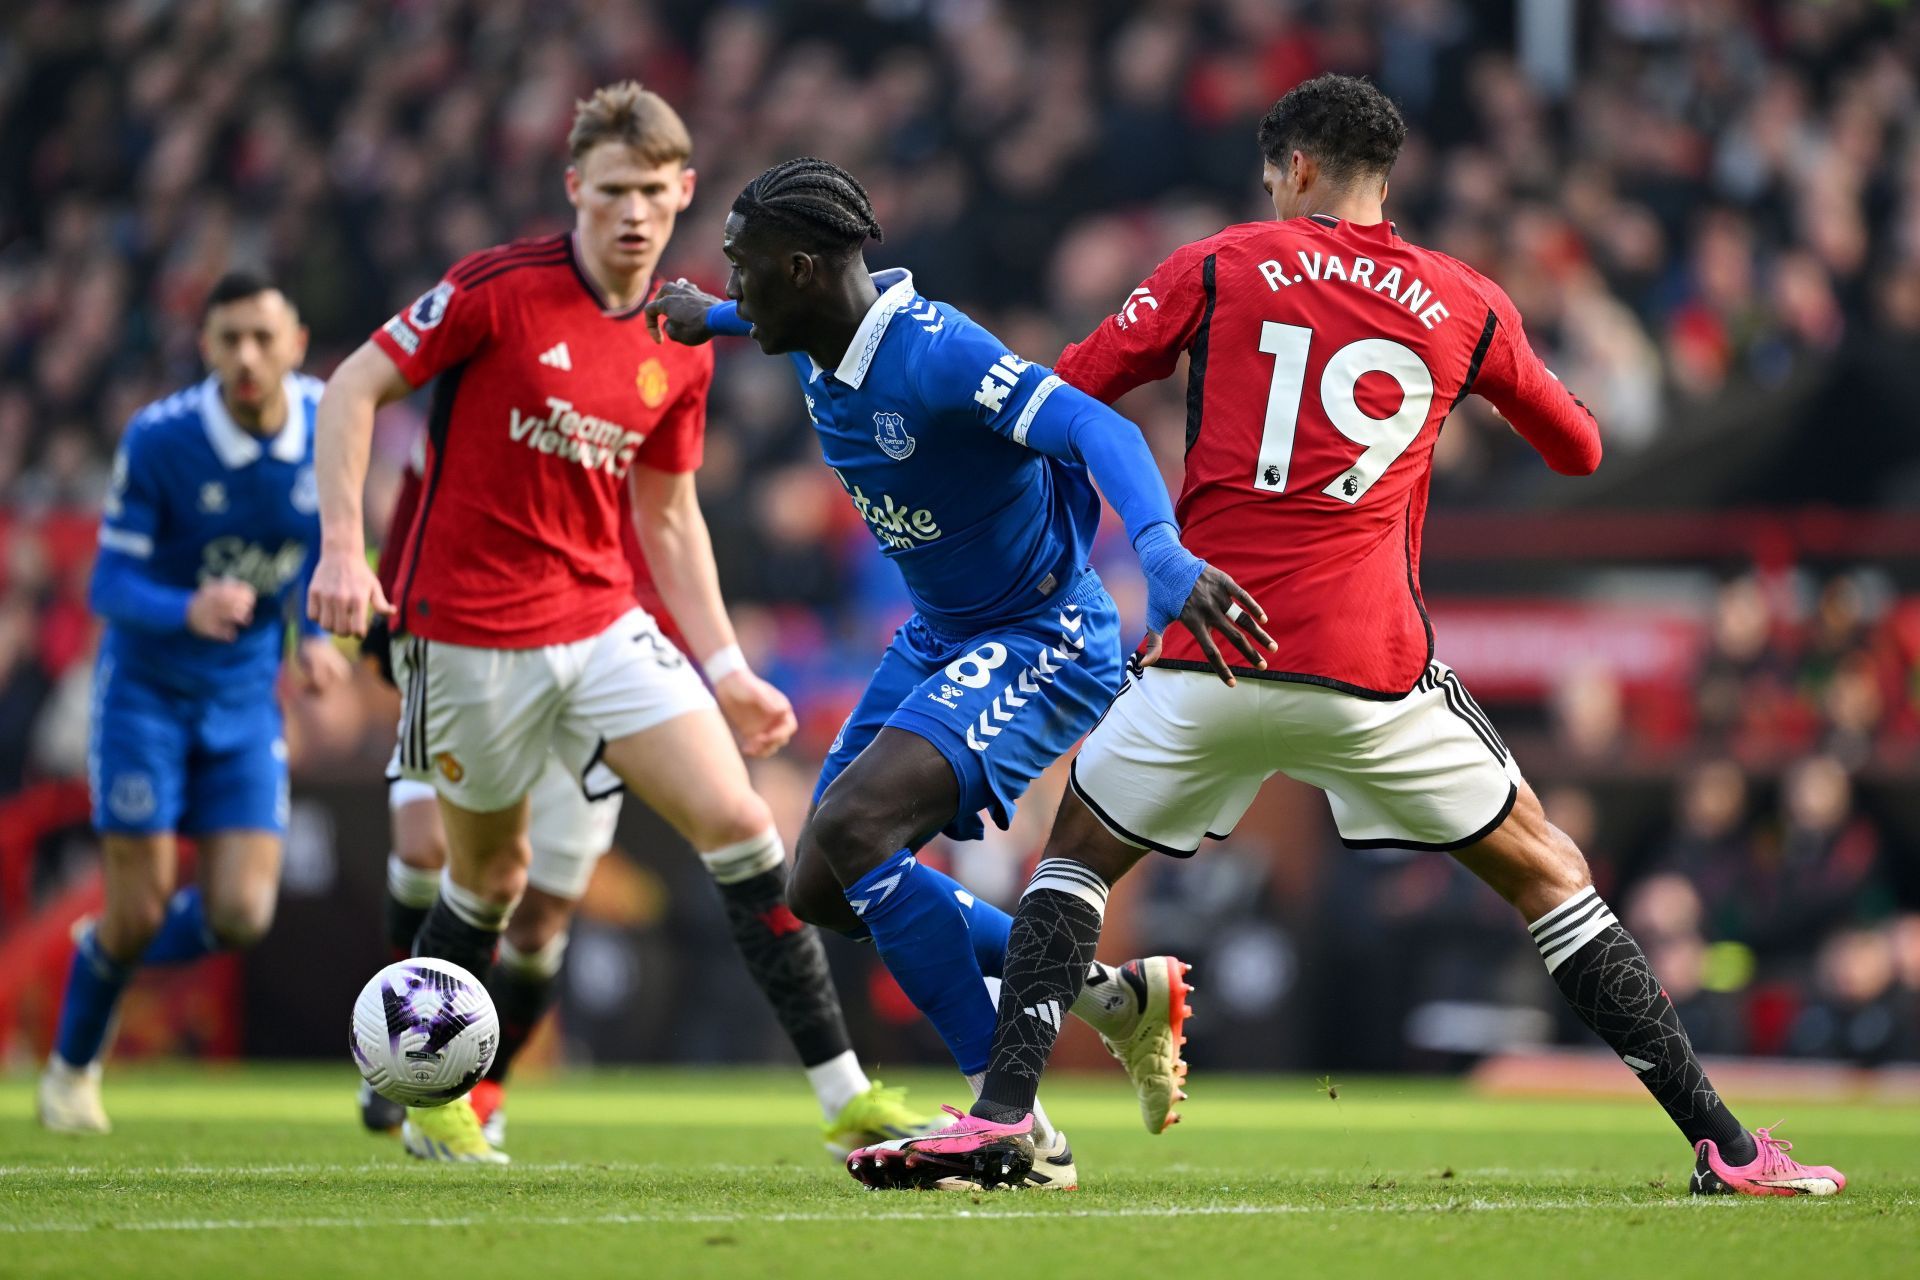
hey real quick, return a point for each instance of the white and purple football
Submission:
(424, 1032)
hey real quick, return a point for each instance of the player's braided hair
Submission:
(1351, 128)
(815, 199)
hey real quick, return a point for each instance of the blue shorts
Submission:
(1001, 704)
(160, 760)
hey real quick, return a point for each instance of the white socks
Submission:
(837, 1081)
(410, 886)
(732, 863)
(472, 908)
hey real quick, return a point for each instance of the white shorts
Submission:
(1179, 756)
(571, 823)
(479, 723)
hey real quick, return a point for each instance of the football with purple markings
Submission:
(424, 1032)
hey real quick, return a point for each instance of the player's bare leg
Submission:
(240, 880)
(1606, 979)
(413, 870)
(689, 771)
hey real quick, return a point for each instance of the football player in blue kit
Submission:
(977, 472)
(209, 533)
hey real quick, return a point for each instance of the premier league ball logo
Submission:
(890, 433)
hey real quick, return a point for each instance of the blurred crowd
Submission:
(1724, 194)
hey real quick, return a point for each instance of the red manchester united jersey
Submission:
(406, 505)
(1324, 357)
(543, 402)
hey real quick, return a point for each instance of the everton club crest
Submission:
(890, 433)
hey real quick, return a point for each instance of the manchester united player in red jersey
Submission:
(516, 633)
(570, 825)
(1325, 352)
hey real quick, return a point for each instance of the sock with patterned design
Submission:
(1606, 979)
(1106, 1003)
(789, 965)
(1049, 960)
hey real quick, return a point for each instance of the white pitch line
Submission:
(378, 1166)
(1689, 1203)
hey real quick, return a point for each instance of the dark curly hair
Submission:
(1351, 128)
(817, 200)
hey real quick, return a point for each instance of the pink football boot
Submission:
(1771, 1172)
(970, 1150)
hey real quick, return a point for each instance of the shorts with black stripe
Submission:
(1179, 757)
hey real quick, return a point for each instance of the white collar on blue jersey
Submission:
(234, 444)
(896, 294)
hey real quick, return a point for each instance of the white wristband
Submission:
(724, 663)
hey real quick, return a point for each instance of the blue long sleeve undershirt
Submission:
(723, 319)
(1074, 426)
(123, 594)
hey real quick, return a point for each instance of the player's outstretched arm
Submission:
(690, 315)
(1067, 423)
(679, 551)
(344, 593)
(1518, 383)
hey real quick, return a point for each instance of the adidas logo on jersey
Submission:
(556, 357)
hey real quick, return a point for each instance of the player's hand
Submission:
(220, 608)
(680, 308)
(760, 714)
(345, 594)
(322, 665)
(1218, 603)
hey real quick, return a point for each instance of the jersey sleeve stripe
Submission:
(463, 272)
(126, 542)
(1197, 357)
(1048, 385)
(1480, 349)
(552, 260)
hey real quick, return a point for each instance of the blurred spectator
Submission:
(1857, 1013)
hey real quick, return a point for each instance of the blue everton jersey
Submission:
(195, 497)
(925, 422)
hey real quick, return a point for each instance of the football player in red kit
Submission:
(516, 636)
(1324, 354)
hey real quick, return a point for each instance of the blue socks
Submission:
(988, 923)
(183, 934)
(925, 934)
(96, 979)
(94, 984)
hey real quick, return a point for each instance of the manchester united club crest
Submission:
(890, 433)
(652, 382)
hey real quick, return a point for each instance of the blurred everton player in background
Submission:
(210, 531)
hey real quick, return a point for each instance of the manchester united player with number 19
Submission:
(515, 628)
(1324, 354)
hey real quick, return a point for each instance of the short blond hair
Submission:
(636, 117)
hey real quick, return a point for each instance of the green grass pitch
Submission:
(265, 1172)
